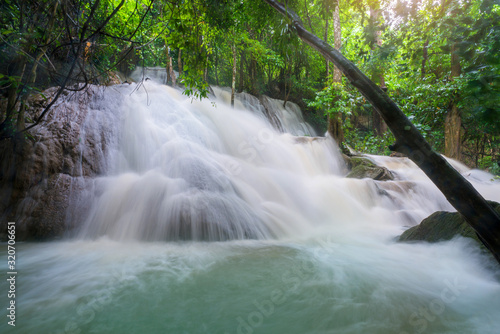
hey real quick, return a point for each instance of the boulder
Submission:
(442, 225)
(57, 160)
(362, 167)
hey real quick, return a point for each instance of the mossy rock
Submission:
(442, 225)
(362, 167)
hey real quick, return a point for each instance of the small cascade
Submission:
(287, 119)
(157, 74)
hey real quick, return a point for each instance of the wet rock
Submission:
(362, 167)
(442, 225)
(306, 140)
(397, 155)
(112, 78)
(39, 173)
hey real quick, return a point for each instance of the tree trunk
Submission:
(459, 192)
(327, 65)
(287, 95)
(233, 83)
(379, 127)
(242, 72)
(335, 120)
(253, 73)
(289, 86)
(453, 121)
(452, 130)
(216, 67)
(179, 62)
(335, 127)
(425, 56)
(169, 68)
(20, 124)
(337, 31)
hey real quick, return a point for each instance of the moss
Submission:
(442, 225)
(362, 167)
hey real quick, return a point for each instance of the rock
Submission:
(306, 140)
(362, 167)
(442, 225)
(112, 78)
(349, 151)
(58, 159)
(397, 155)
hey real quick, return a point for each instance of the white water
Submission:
(321, 259)
(288, 119)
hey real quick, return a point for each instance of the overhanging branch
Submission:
(457, 190)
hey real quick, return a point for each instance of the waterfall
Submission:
(286, 119)
(305, 249)
(203, 171)
(191, 170)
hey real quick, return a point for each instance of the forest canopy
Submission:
(438, 60)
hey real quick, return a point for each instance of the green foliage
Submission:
(413, 59)
(368, 142)
(333, 99)
(339, 98)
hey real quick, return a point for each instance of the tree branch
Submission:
(457, 190)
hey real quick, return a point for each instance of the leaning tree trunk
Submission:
(453, 121)
(459, 192)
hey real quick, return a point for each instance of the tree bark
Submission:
(233, 82)
(327, 63)
(285, 76)
(335, 120)
(425, 56)
(242, 72)
(168, 62)
(216, 67)
(453, 121)
(179, 62)
(379, 127)
(337, 31)
(459, 192)
(335, 127)
(253, 73)
(170, 68)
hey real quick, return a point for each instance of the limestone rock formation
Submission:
(40, 173)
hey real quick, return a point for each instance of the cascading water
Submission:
(285, 118)
(183, 173)
(306, 250)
